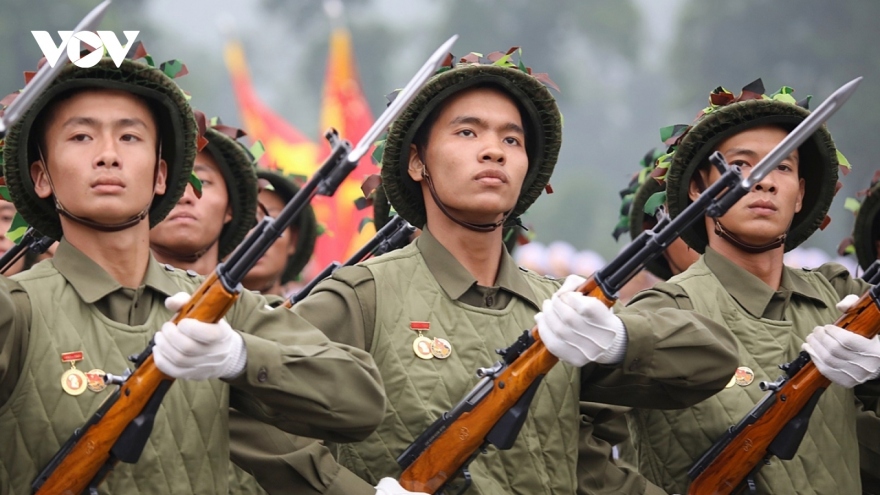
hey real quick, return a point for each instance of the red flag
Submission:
(287, 149)
(345, 109)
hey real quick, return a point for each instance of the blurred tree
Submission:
(813, 46)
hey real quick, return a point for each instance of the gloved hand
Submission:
(194, 350)
(579, 329)
(844, 357)
(390, 486)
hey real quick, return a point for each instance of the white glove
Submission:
(194, 350)
(579, 329)
(844, 357)
(390, 486)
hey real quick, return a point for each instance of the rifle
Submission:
(777, 424)
(46, 74)
(31, 241)
(394, 234)
(494, 411)
(119, 430)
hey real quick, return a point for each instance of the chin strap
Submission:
(477, 227)
(741, 244)
(88, 222)
(732, 238)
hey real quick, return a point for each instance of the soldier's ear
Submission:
(416, 167)
(161, 176)
(697, 180)
(40, 180)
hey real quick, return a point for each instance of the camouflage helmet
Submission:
(541, 118)
(306, 223)
(177, 129)
(639, 203)
(237, 166)
(728, 115)
(866, 231)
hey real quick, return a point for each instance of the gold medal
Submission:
(441, 348)
(96, 380)
(421, 345)
(744, 376)
(73, 381)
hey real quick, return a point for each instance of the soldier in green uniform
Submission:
(864, 244)
(284, 261)
(740, 283)
(101, 156)
(471, 153)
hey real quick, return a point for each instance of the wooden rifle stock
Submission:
(85, 455)
(451, 449)
(726, 473)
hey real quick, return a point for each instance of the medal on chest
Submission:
(421, 345)
(73, 381)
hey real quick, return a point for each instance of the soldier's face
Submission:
(767, 210)
(271, 266)
(100, 150)
(196, 223)
(475, 155)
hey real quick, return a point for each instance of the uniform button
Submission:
(192, 273)
(490, 301)
(169, 267)
(262, 375)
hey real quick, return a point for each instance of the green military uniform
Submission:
(769, 325)
(863, 244)
(354, 296)
(71, 304)
(90, 312)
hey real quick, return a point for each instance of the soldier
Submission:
(470, 154)
(101, 156)
(741, 283)
(204, 227)
(284, 261)
(864, 243)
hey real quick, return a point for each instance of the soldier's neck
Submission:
(478, 252)
(204, 265)
(124, 254)
(767, 266)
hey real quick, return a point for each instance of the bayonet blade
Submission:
(402, 100)
(46, 74)
(801, 133)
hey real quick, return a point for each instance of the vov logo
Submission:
(103, 39)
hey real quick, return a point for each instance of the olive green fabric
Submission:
(306, 224)
(543, 457)
(542, 122)
(865, 232)
(237, 168)
(187, 451)
(178, 134)
(818, 162)
(669, 442)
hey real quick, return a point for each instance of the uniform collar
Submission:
(750, 291)
(454, 278)
(93, 283)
